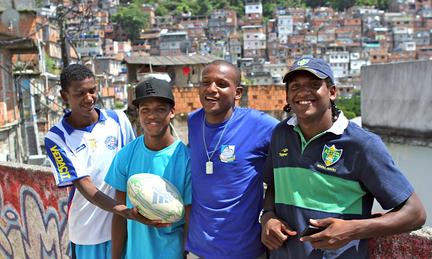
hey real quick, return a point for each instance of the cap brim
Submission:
(313, 71)
(137, 101)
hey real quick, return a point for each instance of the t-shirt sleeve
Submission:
(268, 169)
(126, 126)
(64, 164)
(187, 194)
(117, 173)
(264, 127)
(382, 177)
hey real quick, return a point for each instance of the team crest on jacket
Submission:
(227, 153)
(331, 155)
(111, 142)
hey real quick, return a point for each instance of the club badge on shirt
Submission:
(330, 155)
(227, 153)
(111, 142)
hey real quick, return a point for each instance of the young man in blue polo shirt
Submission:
(81, 147)
(325, 171)
(228, 147)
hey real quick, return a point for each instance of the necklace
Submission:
(209, 163)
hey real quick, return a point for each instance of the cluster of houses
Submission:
(35, 42)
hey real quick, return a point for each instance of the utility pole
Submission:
(63, 44)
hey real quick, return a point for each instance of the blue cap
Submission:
(316, 66)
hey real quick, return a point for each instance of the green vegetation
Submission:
(204, 7)
(350, 106)
(131, 19)
(119, 105)
(50, 65)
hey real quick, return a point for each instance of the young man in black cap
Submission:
(156, 152)
(325, 171)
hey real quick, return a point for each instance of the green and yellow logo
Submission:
(303, 62)
(283, 152)
(330, 155)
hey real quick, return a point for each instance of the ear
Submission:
(172, 113)
(63, 94)
(238, 94)
(333, 92)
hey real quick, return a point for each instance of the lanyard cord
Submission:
(220, 138)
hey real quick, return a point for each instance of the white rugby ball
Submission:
(155, 198)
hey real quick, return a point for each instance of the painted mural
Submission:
(32, 215)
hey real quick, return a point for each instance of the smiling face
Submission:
(81, 97)
(218, 91)
(155, 115)
(309, 98)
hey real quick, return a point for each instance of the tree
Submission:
(381, 4)
(342, 4)
(316, 3)
(350, 106)
(131, 19)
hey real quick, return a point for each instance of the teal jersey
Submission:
(173, 164)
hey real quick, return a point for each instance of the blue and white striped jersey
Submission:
(77, 153)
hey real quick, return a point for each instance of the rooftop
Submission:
(170, 60)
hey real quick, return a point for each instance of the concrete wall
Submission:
(398, 96)
(32, 213)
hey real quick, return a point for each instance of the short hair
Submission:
(74, 72)
(237, 79)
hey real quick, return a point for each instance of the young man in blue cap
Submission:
(325, 171)
(156, 152)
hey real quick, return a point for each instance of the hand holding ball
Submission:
(155, 198)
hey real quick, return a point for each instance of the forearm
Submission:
(269, 201)
(118, 236)
(86, 187)
(186, 225)
(409, 216)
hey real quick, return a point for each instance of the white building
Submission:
(356, 63)
(254, 41)
(253, 11)
(339, 61)
(284, 27)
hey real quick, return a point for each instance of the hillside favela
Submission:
(379, 54)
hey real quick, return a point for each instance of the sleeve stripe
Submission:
(115, 117)
(58, 132)
(64, 169)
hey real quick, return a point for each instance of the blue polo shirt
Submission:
(226, 204)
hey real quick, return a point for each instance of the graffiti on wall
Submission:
(32, 217)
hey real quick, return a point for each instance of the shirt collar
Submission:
(337, 128)
(69, 129)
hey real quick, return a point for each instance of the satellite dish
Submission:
(9, 18)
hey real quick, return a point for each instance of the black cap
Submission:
(153, 87)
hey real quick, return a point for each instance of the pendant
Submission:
(209, 167)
